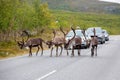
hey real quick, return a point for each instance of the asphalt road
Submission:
(106, 66)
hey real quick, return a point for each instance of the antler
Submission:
(54, 32)
(74, 32)
(94, 31)
(62, 31)
(26, 33)
(16, 35)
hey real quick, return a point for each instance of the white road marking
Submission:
(46, 75)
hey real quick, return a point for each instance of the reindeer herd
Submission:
(58, 42)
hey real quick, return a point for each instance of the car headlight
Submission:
(106, 35)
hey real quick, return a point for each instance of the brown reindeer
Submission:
(57, 42)
(75, 42)
(94, 43)
(30, 43)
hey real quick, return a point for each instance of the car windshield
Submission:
(98, 30)
(105, 32)
(70, 34)
(78, 33)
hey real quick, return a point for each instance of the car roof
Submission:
(95, 27)
(91, 28)
(77, 32)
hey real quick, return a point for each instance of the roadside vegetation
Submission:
(39, 20)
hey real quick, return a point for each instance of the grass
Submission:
(109, 22)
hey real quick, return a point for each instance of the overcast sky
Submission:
(114, 1)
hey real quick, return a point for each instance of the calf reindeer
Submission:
(94, 43)
(57, 42)
(30, 43)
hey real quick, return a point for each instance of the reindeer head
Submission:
(49, 43)
(66, 44)
(22, 43)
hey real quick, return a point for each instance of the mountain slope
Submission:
(84, 6)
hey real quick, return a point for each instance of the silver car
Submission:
(106, 35)
(99, 34)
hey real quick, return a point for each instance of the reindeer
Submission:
(75, 41)
(57, 42)
(30, 43)
(94, 43)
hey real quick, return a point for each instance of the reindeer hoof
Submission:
(67, 54)
(29, 56)
(91, 55)
(78, 54)
(72, 55)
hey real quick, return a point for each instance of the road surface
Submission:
(106, 66)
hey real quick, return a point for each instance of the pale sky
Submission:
(114, 1)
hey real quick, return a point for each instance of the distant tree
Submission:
(7, 13)
(43, 16)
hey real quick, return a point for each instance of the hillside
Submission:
(84, 6)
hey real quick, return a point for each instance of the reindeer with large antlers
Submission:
(94, 43)
(30, 43)
(75, 42)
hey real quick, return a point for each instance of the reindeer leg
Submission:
(51, 52)
(37, 51)
(72, 51)
(96, 51)
(56, 51)
(30, 51)
(61, 50)
(92, 51)
(78, 52)
(42, 50)
(67, 52)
